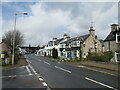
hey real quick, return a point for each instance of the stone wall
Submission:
(89, 45)
(112, 45)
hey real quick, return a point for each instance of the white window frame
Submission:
(116, 57)
(117, 38)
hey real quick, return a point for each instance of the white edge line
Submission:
(44, 84)
(63, 69)
(59, 62)
(40, 79)
(100, 83)
(47, 63)
(100, 71)
(12, 76)
(32, 69)
(96, 70)
(28, 70)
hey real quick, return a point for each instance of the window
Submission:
(61, 53)
(84, 54)
(83, 45)
(117, 38)
(74, 43)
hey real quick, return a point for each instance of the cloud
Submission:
(48, 20)
(42, 26)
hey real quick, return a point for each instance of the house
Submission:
(112, 41)
(3, 49)
(54, 43)
(87, 43)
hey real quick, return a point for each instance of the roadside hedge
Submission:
(105, 57)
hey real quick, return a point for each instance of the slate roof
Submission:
(58, 40)
(81, 38)
(110, 37)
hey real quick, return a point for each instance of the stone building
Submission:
(88, 43)
(3, 47)
(68, 47)
(112, 41)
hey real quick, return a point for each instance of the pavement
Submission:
(21, 62)
(48, 74)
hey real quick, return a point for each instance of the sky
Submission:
(46, 20)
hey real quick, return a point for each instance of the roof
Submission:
(84, 37)
(81, 38)
(114, 25)
(58, 40)
(110, 37)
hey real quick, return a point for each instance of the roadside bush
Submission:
(55, 53)
(105, 57)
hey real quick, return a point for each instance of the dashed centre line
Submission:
(100, 83)
(63, 69)
(47, 63)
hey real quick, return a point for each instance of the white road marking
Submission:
(40, 79)
(59, 62)
(63, 69)
(44, 84)
(12, 76)
(32, 69)
(36, 73)
(47, 63)
(100, 83)
(28, 70)
(81, 66)
(100, 71)
(95, 70)
(28, 61)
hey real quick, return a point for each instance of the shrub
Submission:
(55, 53)
(105, 57)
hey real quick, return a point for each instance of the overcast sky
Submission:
(52, 19)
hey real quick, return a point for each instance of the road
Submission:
(22, 77)
(60, 75)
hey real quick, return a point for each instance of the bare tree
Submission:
(8, 39)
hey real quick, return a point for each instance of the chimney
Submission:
(114, 27)
(65, 35)
(54, 39)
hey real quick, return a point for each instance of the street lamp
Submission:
(13, 54)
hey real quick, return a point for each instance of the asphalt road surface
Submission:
(60, 75)
(22, 77)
